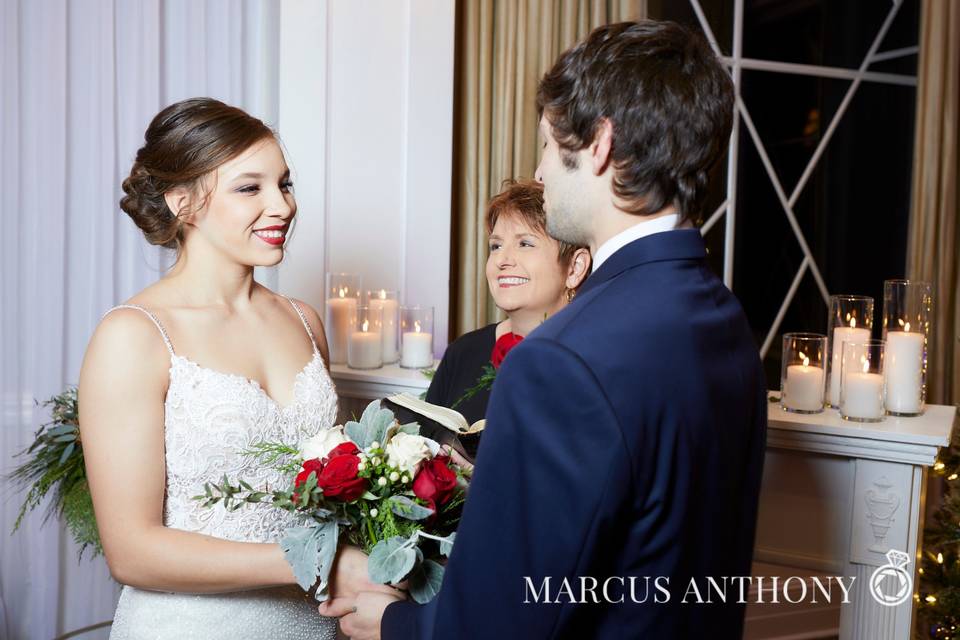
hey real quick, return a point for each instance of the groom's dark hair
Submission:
(668, 98)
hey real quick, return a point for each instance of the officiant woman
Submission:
(531, 276)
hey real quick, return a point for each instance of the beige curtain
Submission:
(933, 248)
(504, 48)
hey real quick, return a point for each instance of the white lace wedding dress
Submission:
(210, 418)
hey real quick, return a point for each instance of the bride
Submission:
(178, 381)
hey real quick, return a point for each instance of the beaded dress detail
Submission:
(210, 418)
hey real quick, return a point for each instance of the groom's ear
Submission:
(601, 146)
(579, 268)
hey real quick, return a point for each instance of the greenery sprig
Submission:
(487, 375)
(54, 466)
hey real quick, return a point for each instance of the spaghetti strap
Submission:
(163, 332)
(306, 324)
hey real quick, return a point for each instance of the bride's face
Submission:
(250, 206)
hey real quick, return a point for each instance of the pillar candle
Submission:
(417, 350)
(841, 335)
(341, 319)
(389, 310)
(364, 349)
(904, 371)
(803, 388)
(862, 396)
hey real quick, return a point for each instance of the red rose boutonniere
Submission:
(502, 347)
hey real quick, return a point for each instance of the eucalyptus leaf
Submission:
(66, 452)
(391, 560)
(70, 437)
(60, 430)
(407, 508)
(425, 581)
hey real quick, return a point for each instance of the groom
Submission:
(625, 436)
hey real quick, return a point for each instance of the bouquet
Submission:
(54, 464)
(375, 483)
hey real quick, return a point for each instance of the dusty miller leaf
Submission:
(391, 560)
(372, 427)
(310, 551)
(425, 581)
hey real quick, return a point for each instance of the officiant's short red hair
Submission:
(184, 142)
(670, 102)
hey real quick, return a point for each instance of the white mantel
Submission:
(895, 439)
(836, 496)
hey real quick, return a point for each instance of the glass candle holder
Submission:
(365, 344)
(802, 373)
(850, 320)
(906, 330)
(416, 343)
(340, 319)
(387, 302)
(861, 381)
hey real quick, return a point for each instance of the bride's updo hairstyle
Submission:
(184, 142)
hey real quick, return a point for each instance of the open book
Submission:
(443, 416)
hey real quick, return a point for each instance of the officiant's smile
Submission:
(528, 275)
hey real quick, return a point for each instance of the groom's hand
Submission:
(360, 617)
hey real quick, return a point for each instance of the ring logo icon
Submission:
(890, 584)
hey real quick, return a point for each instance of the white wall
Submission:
(366, 114)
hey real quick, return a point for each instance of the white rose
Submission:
(323, 443)
(406, 452)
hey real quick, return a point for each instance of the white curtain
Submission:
(79, 82)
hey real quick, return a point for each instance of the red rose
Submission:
(343, 449)
(436, 481)
(309, 466)
(502, 347)
(338, 478)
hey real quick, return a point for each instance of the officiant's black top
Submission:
(461, 366)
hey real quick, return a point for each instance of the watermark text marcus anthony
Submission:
(703, 590)
(891, 585)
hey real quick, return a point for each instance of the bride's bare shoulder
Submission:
(126, 342)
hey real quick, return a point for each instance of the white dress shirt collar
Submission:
(637, 231)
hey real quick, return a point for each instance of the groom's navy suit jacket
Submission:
(624, 442)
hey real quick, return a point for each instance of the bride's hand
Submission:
(349, 575)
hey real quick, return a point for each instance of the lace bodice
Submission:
(211, 417)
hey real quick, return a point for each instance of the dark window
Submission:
(854, 208)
